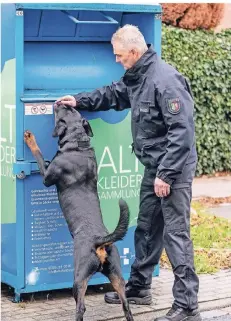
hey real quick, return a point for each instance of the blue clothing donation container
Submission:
(50, 50)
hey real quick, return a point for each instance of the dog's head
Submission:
(69, 121)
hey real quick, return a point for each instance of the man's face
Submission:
(127, 58)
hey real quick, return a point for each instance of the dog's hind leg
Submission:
(112, 270)
(79, 290)
(86, 263)
(118, 283)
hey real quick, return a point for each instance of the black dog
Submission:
(74, 172)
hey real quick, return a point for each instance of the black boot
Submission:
(134, 295)
(179, 314)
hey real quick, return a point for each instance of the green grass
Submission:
(209, 231)
(211, 237)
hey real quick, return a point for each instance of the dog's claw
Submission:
(27, 135)
(29, 139)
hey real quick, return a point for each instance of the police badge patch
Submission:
(173, 105)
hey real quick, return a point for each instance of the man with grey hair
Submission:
(164, 141)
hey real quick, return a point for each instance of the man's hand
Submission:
(161, 188)
(66, 100)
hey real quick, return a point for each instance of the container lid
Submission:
(114, 5)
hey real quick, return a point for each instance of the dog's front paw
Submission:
(29, 139)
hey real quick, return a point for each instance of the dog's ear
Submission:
(87, 128)
(59, 129)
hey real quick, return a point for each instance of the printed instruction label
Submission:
(49, 245)
(38, 109)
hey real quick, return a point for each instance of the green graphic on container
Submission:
(7, 143)
(119, 171)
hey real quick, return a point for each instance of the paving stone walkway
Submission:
(215, 293)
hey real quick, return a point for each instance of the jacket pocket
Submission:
(152, 154)
(145, 120)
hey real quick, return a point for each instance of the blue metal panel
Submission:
(157, 33)
(32, 19)
(41, 24)
(19, 53)
(61, 66)
(20, 236)
(49, 25)
(20, 233)
(57, 24)
(46, 142)
(9, 278)
(48, 243)
(92, 6)
(97, 30)
(8, 246)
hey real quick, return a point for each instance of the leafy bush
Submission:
(205, 59)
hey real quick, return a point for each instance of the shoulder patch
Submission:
(173, 105)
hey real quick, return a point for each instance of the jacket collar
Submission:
(142, 64)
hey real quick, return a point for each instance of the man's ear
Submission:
(87, 128)
(59, 129)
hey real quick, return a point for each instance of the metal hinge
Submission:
(158, 16)
(22, 169)
(19, 12)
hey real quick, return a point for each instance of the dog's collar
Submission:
(83, 144)
(71, 138)
(74, 145)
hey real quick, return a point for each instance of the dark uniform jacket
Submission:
(161, 110)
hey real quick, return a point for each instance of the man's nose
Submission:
(117, 59)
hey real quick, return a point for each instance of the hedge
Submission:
(205, 59)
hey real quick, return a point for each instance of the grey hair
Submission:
(130, 38)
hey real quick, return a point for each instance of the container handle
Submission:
(110, 20)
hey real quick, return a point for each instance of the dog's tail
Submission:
(121, 228)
